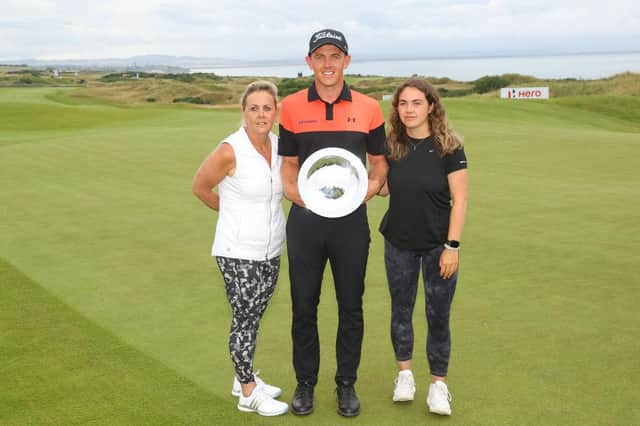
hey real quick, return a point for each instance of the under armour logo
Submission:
(351, 119)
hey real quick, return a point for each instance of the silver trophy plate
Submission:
(333, 182)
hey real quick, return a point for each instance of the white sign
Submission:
(524, 93)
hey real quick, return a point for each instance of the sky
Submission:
(280, 29)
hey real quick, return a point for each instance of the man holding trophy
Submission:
(328, 132)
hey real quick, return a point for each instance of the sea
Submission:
(576, 66)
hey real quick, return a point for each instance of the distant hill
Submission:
(142, 62)
(179, 64)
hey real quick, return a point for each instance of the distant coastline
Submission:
(232, 63)
(192, 62)
(462, 68)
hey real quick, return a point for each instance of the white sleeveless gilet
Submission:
(251, 221)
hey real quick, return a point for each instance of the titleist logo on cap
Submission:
(326, 34)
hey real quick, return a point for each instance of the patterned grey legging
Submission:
(250, 285)
(403, 267)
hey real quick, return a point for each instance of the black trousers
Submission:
(311, 241)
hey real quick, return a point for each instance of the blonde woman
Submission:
(249, 236)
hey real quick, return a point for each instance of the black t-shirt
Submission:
(420, 200)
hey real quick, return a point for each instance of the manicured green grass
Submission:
(60, 368)
(114, 313)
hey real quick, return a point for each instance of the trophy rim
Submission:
(340, 210)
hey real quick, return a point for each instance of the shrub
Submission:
(292, 85)
(192, 100)
(453, 93)
(513, 78)
(488, 83)
(439, 80)
(110, 78)
(184, 77)
(27, 71)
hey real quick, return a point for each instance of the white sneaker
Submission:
(261, 403)
(439, 398)
(272, 391)
(405, 387)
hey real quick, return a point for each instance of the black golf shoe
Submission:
(348, 403)
(302, 402)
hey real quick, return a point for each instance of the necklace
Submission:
(417, 142)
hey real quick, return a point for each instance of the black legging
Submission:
(403, 267)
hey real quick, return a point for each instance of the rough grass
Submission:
(625, 84)
(113, 312)
(163, 91)
(227, 90)
(623, 112)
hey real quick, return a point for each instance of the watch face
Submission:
(453, 243)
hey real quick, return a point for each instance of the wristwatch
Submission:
(452, 245)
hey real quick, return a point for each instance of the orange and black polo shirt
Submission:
(353, 122)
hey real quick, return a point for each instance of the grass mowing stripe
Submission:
(104, 220)
(60, 368)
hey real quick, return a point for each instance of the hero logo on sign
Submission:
(524, 93)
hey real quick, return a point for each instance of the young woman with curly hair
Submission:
(427, 184)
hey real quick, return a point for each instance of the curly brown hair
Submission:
(447, 139)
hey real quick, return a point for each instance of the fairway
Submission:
(112, 311)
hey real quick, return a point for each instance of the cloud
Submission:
(259, 30)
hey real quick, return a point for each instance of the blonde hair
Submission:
(446, 138)
(259, 86)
